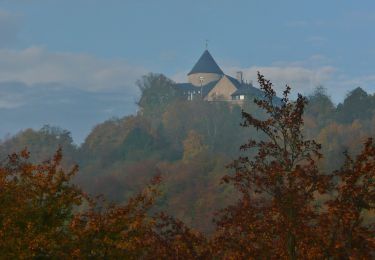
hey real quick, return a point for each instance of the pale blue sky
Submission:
(88, 53)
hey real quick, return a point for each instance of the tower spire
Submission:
(206, 64)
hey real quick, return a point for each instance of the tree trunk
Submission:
(292, 246)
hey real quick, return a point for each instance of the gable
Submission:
(223, 90)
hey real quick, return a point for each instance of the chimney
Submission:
(239, 76)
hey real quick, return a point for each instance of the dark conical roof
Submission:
(206, 64)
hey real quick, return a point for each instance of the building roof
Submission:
(206, 64)
(248, 90)
(251, 91)
(235, 82)
(242, 89)
(190, 87)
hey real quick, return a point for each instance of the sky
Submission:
(74, 63)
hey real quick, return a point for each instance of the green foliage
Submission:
(139, 144)
(320, 106)
(157, 91)
(357, 105)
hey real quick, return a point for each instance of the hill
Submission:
(189, 143)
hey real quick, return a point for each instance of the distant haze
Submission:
(74, 64)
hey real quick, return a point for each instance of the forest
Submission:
(197, 180)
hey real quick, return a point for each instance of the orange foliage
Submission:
(36, 201)
(277, 216)
(342, 231)
(43, 215)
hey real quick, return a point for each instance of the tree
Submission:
(44, 215)
(157, 91)
(37, 201)
(279, 214)
(342, 231)
(193, 146)
(41, 144)
(114, 231)
(274, 215)
(357, 105)
(320, 109)
(177, 241)
(287, 208)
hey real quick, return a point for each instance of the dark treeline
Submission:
(189, 143)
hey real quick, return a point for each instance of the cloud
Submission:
(304, 79)
(77, 110)
(9, 28)
(180, 76)
(367, 82)
(74, 91)
(301, 78)
(36, 65)
(11, 100)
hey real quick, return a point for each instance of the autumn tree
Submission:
(41, 144)
(193, 146)
(278, 214)
(108, 230)
(44, 215)
(37, 200)
(175, 240)
(131, 230)
(342, 228)
(273, 218)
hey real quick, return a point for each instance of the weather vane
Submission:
(206, 44)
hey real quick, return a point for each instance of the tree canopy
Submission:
(302, 186)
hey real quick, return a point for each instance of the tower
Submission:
(205, 71)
